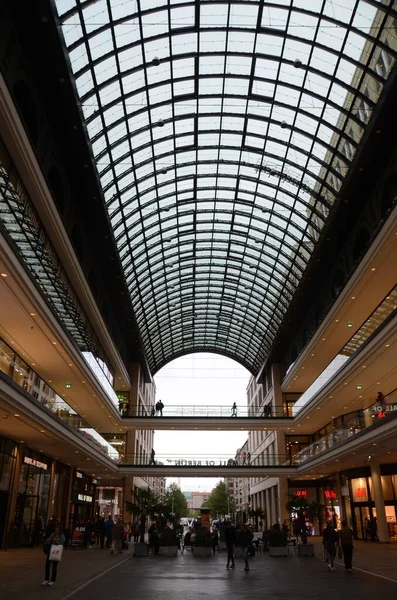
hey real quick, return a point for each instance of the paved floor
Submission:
(190, 578)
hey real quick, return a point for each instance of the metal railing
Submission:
(374, 415)
(210, 411)
(14, 367)
(207, 460)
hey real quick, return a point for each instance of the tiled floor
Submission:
(191, 578)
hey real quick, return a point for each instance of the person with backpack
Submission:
(330, 540)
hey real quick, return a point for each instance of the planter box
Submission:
(168, 550)
(141, 549)
(278, 551)
(202, 550)
(306, 550)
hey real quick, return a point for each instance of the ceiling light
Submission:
(336, 320)
(156, 61)
(349, 325)
(22, 442)
(373, 269)
(70, 364)
(17, 415)
(359, 387)
(387, 345)
(3, 274)
(42, 430)
(160, 123)
(54, 343)
(298, 63)
(283, 124)
(32, 314)
(323, 339)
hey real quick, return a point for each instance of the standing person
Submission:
(136, 532)
(330, 539)
(152, 455)
(117, 537)
(154, 537)
(230, 539)
(246, 541)
(381, 403)
(109, 524)
(100, 529)
(234, 410)
(367, 529)
(244, 459)
(160, 408)
(346, 541)
(58, 539)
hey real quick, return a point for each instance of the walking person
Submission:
(230, 539)
(58, 539)
(117, 537)
(330, 539)
(109, 524)
(346, 541)
(246, 541)
(234, 410)
(152, 455)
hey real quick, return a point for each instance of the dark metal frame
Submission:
(211, 250)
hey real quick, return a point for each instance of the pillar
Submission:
(13, 494)
(273, 504)
(128, 487)
(71, 477)
(282, 499)
(383, 532)
(50, 511)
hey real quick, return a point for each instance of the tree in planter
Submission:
(174, 503)
(220, 502)
(256, 514)
(145, 504)
(302, 508)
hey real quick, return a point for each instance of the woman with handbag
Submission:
(53, 548)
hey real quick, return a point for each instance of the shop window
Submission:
(387, 487)
(359, 490)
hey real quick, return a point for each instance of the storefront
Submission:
(321, 493)
(83, 499)
(8, 450)
(362, 504)
(32, 499)
(109, 500)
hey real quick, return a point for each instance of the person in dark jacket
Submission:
(109, 524)
(245, 539)
(100, 529)
(330, 539)
(346, 541)
(230, 539)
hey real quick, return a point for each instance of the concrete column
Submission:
(273, 504)
(71, 477)
(14, 492)
(128, 487)
(383, 533)
(50, 511)
(282, 499)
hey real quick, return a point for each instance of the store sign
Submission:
(361, 492)
(107, 502)
(84, 498)
(79, 475)
(301, 493)
(378, 408)
(35, 463)
(329, 494)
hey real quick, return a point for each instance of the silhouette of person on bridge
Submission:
(267, 410)
(234, 410)
(159, 408)
(152, 455)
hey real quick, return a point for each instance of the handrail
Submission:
(364, 419)
(207, 460)
(19, 372)
(210, 411)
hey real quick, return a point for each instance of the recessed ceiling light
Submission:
(54, 343)
(42, 430)
(3, 274)
(22, 442)
(32, 314)
(373, 269)
(323, 339)
(387, 345)
(17, 415)
(336, 320)
(353, 297)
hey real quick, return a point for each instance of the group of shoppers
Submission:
(338, 541)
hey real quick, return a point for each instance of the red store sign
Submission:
(329, 494)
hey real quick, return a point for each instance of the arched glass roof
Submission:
(222, 132)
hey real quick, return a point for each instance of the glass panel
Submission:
(236, 139)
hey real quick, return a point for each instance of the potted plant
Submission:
(168, 542)
(303, 510)
(202, 544)
(145, 504)
(277, 541)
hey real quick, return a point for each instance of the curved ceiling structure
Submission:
(222, 132)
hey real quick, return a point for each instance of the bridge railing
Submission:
(373, 416)
(207, 460)
(211, 411)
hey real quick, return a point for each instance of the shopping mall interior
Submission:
(189, 177)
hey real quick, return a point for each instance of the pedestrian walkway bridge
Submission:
(204, 418)
(204, 465)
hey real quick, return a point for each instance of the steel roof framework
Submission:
(222, 133)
